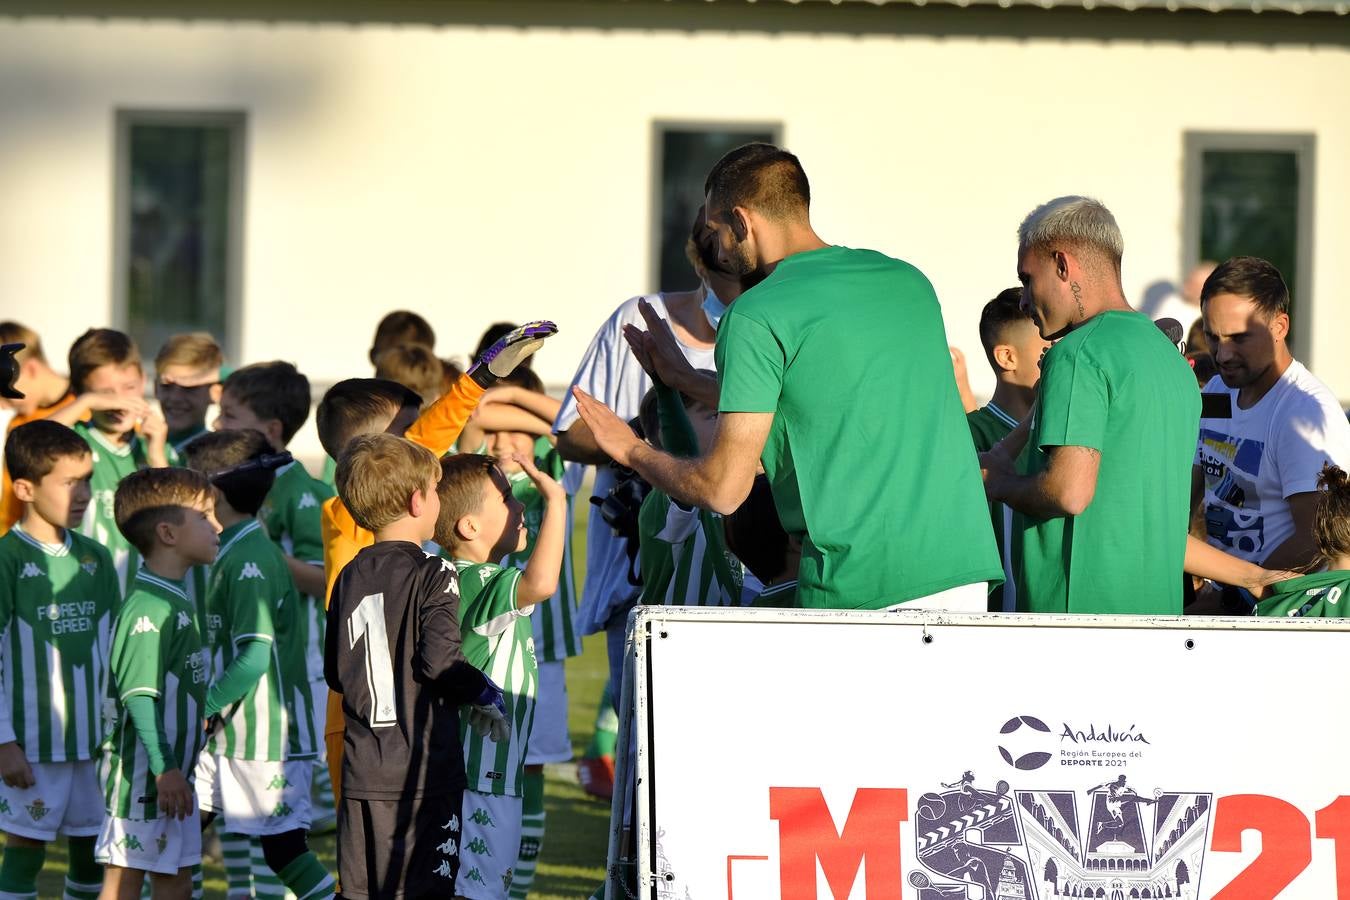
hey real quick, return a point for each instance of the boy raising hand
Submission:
(481, 522)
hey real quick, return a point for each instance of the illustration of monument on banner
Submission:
(1005, 844)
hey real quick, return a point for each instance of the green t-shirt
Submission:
(496, 639)
(56, 608)
(869, 456)
(1117, 385)
(292, 513)
(554, 620)
(156, 652)
(989, 425)
(1319, 595)
(113, 461)
(250, 596)
(684, 556)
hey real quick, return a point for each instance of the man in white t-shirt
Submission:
(1258, 470)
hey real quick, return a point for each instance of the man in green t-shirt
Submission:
(1014, 346)
(1101, 481)
(882, 486)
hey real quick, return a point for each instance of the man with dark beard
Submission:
(834, 369)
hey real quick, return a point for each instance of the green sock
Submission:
(606, 734)
(531, 835)
(84, 876)
(198, 882)
(266, 884)
(307, 878)
(234, 851)
(19, 871)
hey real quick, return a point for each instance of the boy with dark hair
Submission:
(187, 382)
(481, 521)
(1014, 346)
(756, 537)
(393, 657)
(124, 437)
(262, 740)
(156, 690)
(414, 366)
(273, 398)
(368, 406)
(400, 327)
(58, 590)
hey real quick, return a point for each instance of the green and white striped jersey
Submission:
(56, 608)
(250, 596)
(684, 557)
(292, 513)
(554, 620)
(497, 640)
(156, 652)
(113, 461)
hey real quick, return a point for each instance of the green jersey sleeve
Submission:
(750, 365)
(1075, 402)
(138, 649)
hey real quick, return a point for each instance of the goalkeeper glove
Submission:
(509, 351)
(487, 713)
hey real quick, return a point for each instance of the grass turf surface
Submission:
(573, 859)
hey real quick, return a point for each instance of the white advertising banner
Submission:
(828, 756)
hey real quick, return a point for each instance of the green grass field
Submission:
(573, 859)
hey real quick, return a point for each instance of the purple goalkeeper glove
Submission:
(509, 351)
(487, 713)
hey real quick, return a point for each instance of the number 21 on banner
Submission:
(1286, 843)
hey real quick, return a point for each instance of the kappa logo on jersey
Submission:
(250, 570)
(452, 825)
(30, 570)
(307, 501)
(278, 782)
(184, 620)
(478, 846)
(484, 574)
(129, 842)
(144, 626)
(445, 871)
(449, 848)
(481, 817)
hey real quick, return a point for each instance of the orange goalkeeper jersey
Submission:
(436, 429)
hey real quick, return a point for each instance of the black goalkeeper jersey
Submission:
(393, 651)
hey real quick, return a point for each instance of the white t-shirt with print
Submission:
(1255, 461)
(610, 373)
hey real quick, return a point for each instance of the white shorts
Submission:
(65, 798)
(549, 741)
(164, 846)
(489, 846)
(964, 598)
(256, 798)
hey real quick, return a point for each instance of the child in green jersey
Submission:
(262, 741)
(58, 590)
(481, 521)
(1320, 594)
(156, 690)
(106, 362)
(187, 382)
(273, 398)
(682, 549)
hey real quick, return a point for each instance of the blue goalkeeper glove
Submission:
(487, 713)
(509, 351)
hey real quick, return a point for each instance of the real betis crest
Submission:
(38, 810)
(161, 842)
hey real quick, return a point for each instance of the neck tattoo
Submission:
(1078, 299)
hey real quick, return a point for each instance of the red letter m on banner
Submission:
(807, 833)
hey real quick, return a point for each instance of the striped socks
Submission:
(531, 833)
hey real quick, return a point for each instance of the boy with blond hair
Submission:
(58, 590)
(393, 656)
(124, 437)
(416, 367)
(262, 741)
(187, 382)
(156, 690)
(361, 406)
(480, 522)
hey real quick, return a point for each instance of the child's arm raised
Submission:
(539, 581)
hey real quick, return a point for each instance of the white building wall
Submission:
(478, 173)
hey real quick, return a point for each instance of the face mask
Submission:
(713, 308)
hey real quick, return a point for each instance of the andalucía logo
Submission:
(1022, 734)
